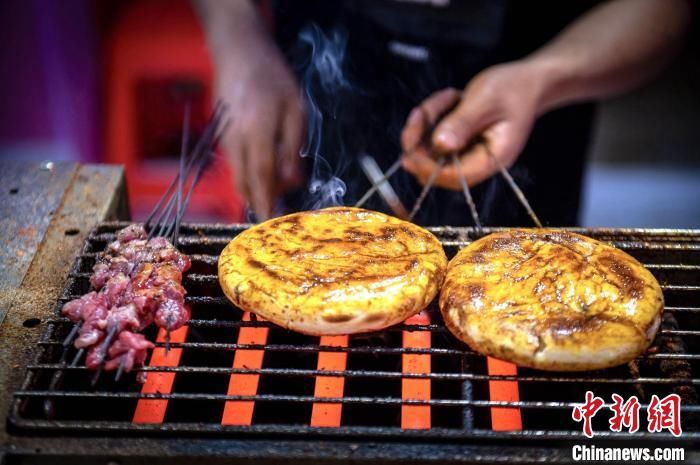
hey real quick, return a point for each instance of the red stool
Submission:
(156, 63)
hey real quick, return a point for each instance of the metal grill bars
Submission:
(227, 371)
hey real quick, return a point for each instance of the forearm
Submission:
(611, 49)
(233, 28)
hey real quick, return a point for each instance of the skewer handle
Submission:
(467, 195)
(514, 187)
(428, 185)
(392, 169)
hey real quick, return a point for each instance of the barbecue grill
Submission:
(231, 385)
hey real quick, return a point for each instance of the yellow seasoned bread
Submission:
(551, 300)
(337, 270)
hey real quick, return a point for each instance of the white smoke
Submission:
(322, 77)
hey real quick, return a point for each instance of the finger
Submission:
(475, 166)
(507, 139)
(424, 116)
(290, 142)
(234, 154)
(503, 141)
(421, 164)
(260, 166)
(456, 130)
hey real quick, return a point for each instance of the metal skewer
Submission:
(73, 332)
(120, 369)
(392, 169)
(102, 352)
(167, 336)
(386, 191)
(77, 357)
(467, 195)
(426, 188)
(514, 187)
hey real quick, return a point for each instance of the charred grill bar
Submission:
(232, 375)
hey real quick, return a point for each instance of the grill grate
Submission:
(228, 372)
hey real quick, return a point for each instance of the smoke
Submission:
(322, 78)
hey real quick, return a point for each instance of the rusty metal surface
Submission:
(30, 193)
(92, 194)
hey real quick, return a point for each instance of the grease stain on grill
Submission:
(374, 361)
(31, 322)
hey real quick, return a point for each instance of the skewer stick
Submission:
(219, 109)
(514, 187)
(467, 195)
(392, 169)
(181, 180)
(102, 351)
(158, 220)
(167, 336)
(77, 357)
(120, 369)
(98, 373)
(73, 332)
(426, 188)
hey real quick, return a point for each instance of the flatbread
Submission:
(333, 271)
(551, 300)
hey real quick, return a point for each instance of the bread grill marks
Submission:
(551, 299)
(333, 271)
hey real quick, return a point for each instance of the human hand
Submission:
(498, 107)
(263, 140)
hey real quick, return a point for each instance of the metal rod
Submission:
(181, 181)
(514, 187)
(102, 350)
(386, 191)
(428, 185)
(167, 335)
(98, 373)
(467, 195)
(219, 107)
(392, 169)
(77, 357)
(76, 327)
(120, 369)
(158, 216)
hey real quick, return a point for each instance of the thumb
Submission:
(458, 128)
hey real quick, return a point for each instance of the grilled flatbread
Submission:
(551, 300)
(333, 271)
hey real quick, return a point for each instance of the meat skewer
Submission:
(138, 279)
